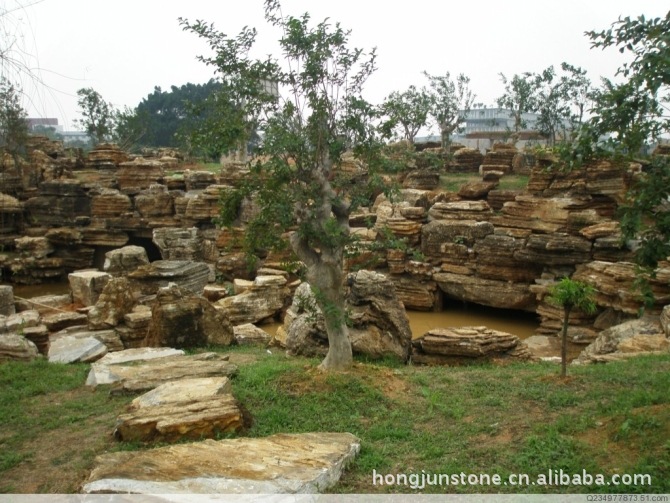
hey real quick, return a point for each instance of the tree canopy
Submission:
(309, 109)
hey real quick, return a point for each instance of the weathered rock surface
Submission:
(7, 307)
(422, 179)
(115, 301)
(466, 344)
(109, 338)
(182, 320)
(17, 347)
(379, 325)
(187, 419)
(70, 349)
(150, 374)
(138, 175)
(183, 390)
(665, 320)
(627, 339)
(251, 334)
(125, 260)
(191, 276)
(179, 244)
(86, 286)
(264, 299)
(283, 463)
(487, 292)
(62, 320)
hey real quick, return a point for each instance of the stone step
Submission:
(282, 463)
(143, 375)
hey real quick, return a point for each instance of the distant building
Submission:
(485, 126)
(34, 122)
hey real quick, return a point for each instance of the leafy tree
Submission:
(451, 100)
(407, 111)
(577, 90)
(97, 115)
(13, 124)
(295, 180)
(570, 294)
(633, 115)
(130, 128)
(520, 97)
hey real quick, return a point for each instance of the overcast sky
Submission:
(124, 48)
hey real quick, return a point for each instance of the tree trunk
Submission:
(326, 278)
(325, 275)
(564, 341)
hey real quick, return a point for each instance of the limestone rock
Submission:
(156, 201)
(181, 320)
(107, 337)
(629, 338)
(439, 232)
(555, 249)
(189, 419)
(422, 179)
(34, 247)
(179, 244)
(61, 320)
(460, 210)
(21, 321)
(487, 292)
(37, 306)
(379, 325)
(544, 347)
(59, 201)
(198, 180)
(16, 347)
(415, 294)
(191, 276)
(614, 284)
(150, 374)
(70, 349)
(464, 344)
(38, 335)
(138, 175)
(86, 286)
(125, 260)
(183, 390)
(7, 307)
(476, 190)
(116, 300)
(282, 463)
(110, 203)
(106, 156)
(466, 160)
(265, 298)
(251, 334)
(665, 320)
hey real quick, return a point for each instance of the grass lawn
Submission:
(452, 182)
(516, 419)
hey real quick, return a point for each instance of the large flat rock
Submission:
(146, 375)
(283, 463)
(177, 420)
(184, 390)
(69, 349)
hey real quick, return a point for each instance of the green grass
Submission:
(515, 419)
(452, 182)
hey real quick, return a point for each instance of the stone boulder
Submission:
(116, 300)
(665, 320)
(251, 334)
(16, 347)
(7, 307)
(86, 286)
(180, 319)
(125, 260)
(190, 418)
(379, 324)
(133, 372)
(631, 338)
(282, 463)
(422, 179)
(263, 300)
(139, 174)
(70, 349)
(457, 345)
(156, 201)
(176, 243)
(191, 276)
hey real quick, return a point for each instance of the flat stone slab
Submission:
(177, 420)
(144, 376)
(184, 390)
(139, 354)
(283, 463)
(71, 349)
